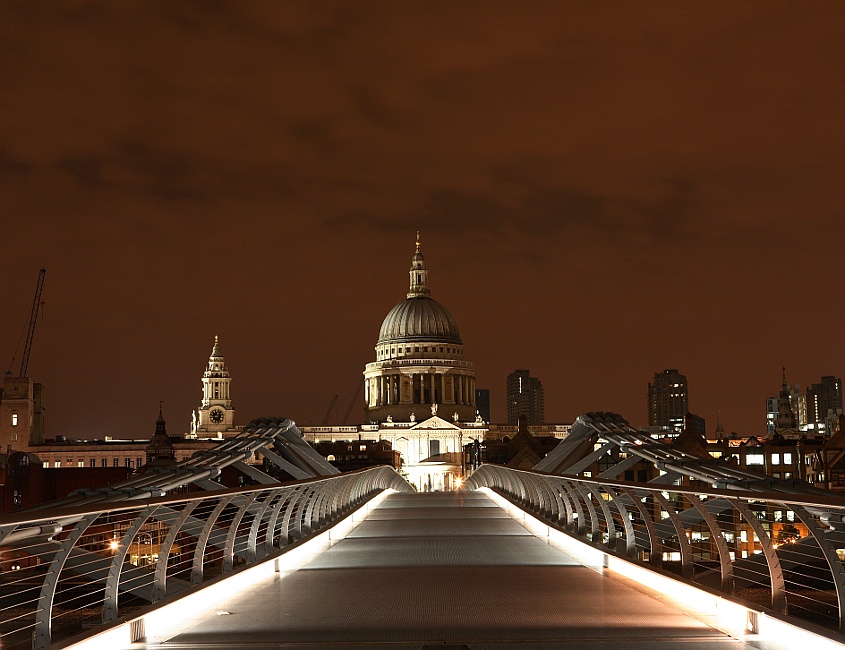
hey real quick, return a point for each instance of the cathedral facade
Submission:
(419, 392)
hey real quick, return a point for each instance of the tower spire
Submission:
(419, 274)
(720, 430)
(216, 414)
(786, 415)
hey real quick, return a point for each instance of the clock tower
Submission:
(216, 415)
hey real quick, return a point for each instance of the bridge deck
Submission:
(447, 569)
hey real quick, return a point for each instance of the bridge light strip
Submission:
(173, 618)
(728, 616)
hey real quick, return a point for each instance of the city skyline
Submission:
(600, 194)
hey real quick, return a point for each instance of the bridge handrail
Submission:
(782, 552)
(66, 568)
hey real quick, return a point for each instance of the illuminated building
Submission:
(796, 402)
(668, 400)
(824, 404)
(213, 420)
(419, 360)
(215, 417)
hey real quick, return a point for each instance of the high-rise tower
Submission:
(668, 400)
(824, 404)
(525, 398)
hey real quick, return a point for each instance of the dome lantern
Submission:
(419, 274)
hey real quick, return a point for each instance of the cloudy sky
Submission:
(603, 191)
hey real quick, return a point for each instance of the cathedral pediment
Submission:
(436, 422)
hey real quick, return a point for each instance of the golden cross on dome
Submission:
(418, 241)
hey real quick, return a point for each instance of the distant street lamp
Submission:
(149, 536)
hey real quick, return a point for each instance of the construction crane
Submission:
(352, 402)
(329, 410)
(33, 319)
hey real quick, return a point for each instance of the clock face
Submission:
(216, 416)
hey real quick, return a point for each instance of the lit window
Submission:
(754, 459)
(80, 463)
(58, 463)
(14, 419)
(787, 459)
(330, 457)
(790, 515)
(775, 459)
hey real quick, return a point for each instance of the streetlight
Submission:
(149, 536)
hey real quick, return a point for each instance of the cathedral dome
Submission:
(419, 360)
(419, 318)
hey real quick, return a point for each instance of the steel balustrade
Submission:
(781, 552)
(65, 569)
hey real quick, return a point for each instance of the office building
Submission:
(525, 398)
(482, 403)
(824, 404)
(668, 400)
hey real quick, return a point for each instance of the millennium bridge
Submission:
(514, 559)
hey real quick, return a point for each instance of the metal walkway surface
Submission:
(447, 570)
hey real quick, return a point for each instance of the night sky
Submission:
(603, 191)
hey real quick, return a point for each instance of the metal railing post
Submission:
(113, 577)
(44, 614)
